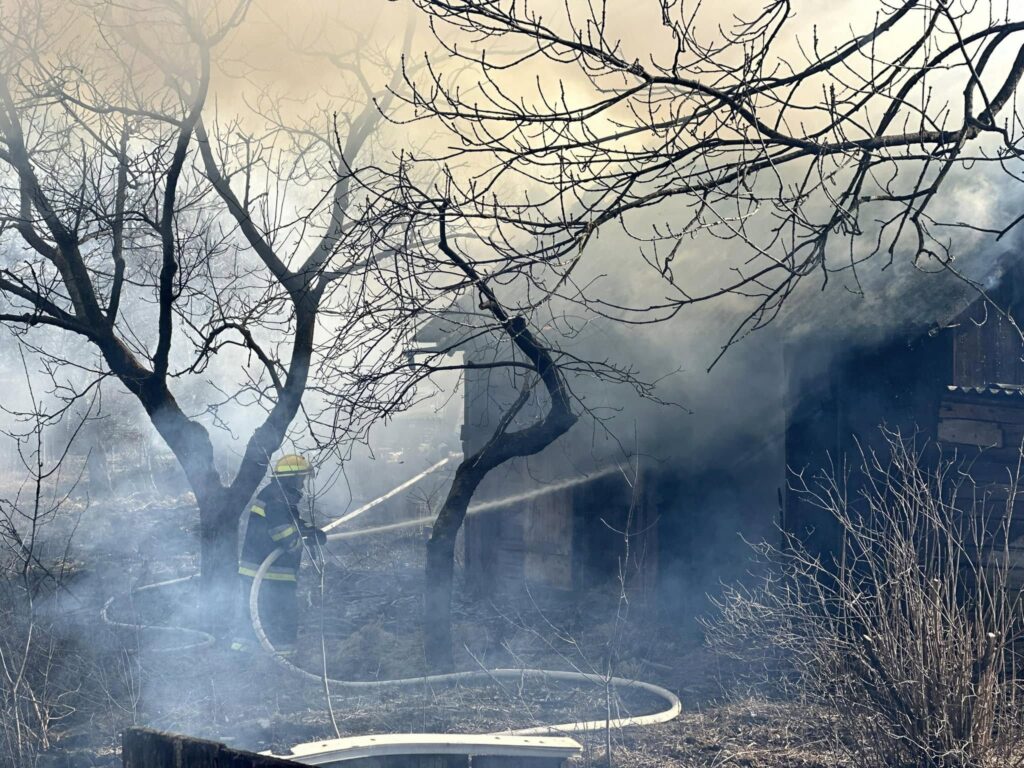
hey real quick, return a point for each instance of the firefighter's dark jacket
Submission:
(274, 522)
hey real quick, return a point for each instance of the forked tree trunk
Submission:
(220, 505)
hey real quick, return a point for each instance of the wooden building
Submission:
(573, 523)
(958, 388)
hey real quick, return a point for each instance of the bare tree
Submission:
(503, 444)
(496, 314)
(803, 150)
(136, 218)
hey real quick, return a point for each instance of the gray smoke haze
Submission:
(722, 430)
(739, 404)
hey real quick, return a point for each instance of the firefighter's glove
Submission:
(317, 535)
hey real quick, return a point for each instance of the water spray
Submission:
(396, 490)
(474, 509)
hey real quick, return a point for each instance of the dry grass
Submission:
(372, 632)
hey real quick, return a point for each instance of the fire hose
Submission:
(670, 712)
(205, 639)
(483, 675)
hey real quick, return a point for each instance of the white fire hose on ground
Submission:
(203, 639)
(670, 712)
(483, 675)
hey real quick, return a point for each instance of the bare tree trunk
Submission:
(440, 570)
(219, 506)
(218, 560)
(437, 600)
(502, 446)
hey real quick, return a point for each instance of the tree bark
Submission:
(440, 569)
(218, 560)
(437, 601)
(502, 446)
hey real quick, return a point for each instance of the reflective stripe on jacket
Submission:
(273, 522)
(273, 573)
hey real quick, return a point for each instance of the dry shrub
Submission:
(901, 643)
(33, 693)
(35, 689)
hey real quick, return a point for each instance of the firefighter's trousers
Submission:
(279, 613)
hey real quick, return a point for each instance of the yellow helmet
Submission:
(292, 465)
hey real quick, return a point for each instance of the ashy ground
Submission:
(360, 622)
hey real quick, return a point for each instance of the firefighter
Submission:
(274, 522)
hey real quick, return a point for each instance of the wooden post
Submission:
(147, 748)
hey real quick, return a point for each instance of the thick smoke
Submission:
(720, 439)
(719, 436)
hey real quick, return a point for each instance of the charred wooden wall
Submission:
(835, 415)
(565, 540)
(958, 390)
(148, 748)
(570, 539)
(522, 544)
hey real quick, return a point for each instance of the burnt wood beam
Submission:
(148, 748)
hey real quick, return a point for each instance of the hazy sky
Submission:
(284, 49)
